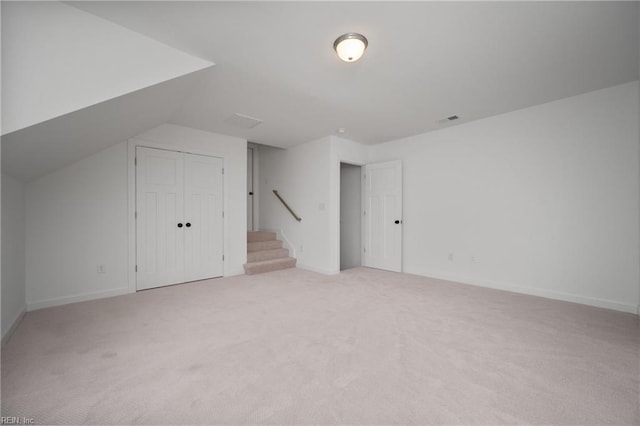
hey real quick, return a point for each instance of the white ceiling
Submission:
(274, 61)
(425, 61)
(57, 59)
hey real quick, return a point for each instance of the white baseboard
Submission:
(549, 294)
(14, 325)
(57, 301)
(314, 269)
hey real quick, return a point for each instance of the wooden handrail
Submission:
(284, 203)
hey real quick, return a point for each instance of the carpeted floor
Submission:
(295, 347)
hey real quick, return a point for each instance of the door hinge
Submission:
(223, 170)
(365, 249)
(223, 257)
(222, 213)
(136, 268)
(135, 161)
(135, 215)
(364, 212)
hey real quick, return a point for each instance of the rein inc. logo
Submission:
(7, 420)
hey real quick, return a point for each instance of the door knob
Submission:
(188, 225)
(179, 225)
(251, 193)
(396, 222)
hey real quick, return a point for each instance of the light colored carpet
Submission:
(295, 347)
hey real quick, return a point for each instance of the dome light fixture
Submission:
(350, 46)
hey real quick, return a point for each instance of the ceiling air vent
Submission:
(244, 121)
(448, 119)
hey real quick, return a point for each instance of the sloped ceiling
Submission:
(57, 59)
(45, 147)
(274, 61)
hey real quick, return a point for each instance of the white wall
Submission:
(234, 152)
(76, 219)
(350, 216)
(308, 178)
(542, 200)
(13, 252)
(300, 175)
(545, 199)
(57, 59)
(1, 311)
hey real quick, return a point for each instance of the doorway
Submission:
(350, 216)
(250, 192)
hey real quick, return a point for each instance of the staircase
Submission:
(265, 254)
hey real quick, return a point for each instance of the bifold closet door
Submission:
(203, 217)
(159, 210)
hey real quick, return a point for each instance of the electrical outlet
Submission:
(450, 257)
(473, 259)
(100, 269)
(301, 248)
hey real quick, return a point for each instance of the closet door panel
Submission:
(159, 209)
(203, 217)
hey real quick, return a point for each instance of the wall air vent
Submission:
(244, 121)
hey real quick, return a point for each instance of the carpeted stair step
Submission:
(264, 245)
(257, 256)
(269, 265)
(256, 236)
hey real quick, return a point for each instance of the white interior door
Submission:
(249, 189)
(203, 217)
(159, 209)
(382, 216)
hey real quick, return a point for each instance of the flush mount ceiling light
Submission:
(350, 46)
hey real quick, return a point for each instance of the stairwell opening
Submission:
(265, 253)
